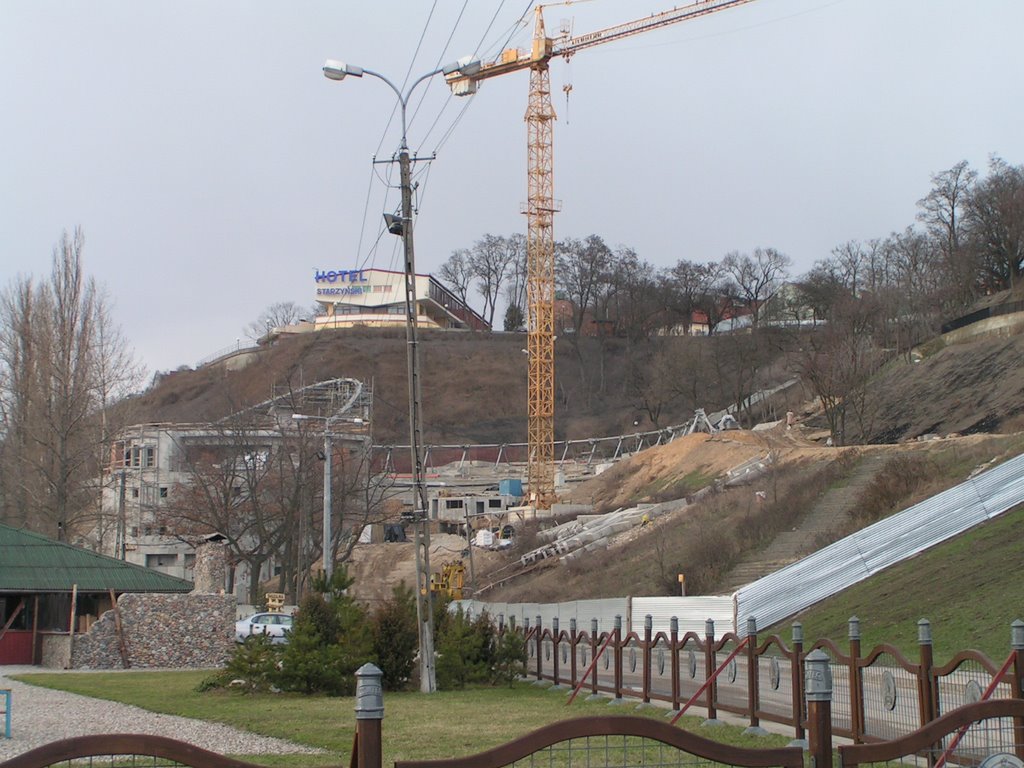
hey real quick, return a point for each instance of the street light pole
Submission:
(328, 549)
(337, 70)
(328, 544)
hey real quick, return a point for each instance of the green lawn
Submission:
(416, 726)
(968, 588)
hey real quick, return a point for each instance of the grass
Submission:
(968, 589)
(416, 726)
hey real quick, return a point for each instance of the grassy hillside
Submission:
(969, 589)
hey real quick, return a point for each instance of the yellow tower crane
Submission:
(540, 209)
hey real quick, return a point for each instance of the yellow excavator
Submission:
(449, 580)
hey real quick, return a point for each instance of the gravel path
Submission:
(41, 715)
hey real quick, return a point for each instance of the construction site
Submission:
(600, 481)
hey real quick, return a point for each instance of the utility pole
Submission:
(328, 503)
(120, 546)
(421, 517)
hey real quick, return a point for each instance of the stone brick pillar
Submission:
(210, 572)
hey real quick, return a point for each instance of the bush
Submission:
(329, 641)
(465, 650)
(509, 657)
(396, 638)
(892, 488)
(254, 663)
(252, 667)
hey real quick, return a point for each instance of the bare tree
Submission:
(582, 270)
(62, 361)
(490, 261)
(637, 302)
(995, 224)
(276, 315)
(515, 288)
(942, 211)
(837, 363)
(457, 273)
(253, 487)
(582, 274)
(757, 277)
(821, 288)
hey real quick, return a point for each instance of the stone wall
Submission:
(178, 631)
(56, 650)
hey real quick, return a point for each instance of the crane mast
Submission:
(540, 281)
(541, 207)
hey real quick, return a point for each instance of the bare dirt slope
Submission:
(973, 387)
(676, 469)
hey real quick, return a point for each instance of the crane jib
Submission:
(645, 24)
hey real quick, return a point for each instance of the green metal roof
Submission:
(33, 563)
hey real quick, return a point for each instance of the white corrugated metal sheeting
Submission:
(692, 612)
(881, 545)
(583, 611)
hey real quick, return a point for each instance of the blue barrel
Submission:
(511, 487)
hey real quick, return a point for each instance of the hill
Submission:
(474, 389)
(474, 384)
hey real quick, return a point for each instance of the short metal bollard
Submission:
(369, 713)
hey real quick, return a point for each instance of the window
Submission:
(163, 491)
(135, 493)
(135, 531)
(190, 560)
(161, 561)
(494, 503)
(453, 503)
(140, 456)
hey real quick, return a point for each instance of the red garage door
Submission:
(16, 647)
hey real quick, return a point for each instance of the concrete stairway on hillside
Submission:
(827, 514)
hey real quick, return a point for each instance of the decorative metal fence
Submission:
(878, 695)
(988, 733)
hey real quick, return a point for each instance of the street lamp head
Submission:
(336, 70)
(394, 224)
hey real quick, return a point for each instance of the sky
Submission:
(212, 167)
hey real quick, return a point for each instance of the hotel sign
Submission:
(349, 279)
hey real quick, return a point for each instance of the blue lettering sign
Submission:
(347, 290)
(341, 275)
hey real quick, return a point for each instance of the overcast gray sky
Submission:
(213, 167)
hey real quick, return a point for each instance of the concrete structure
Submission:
(150, 465)
(154, 467)
(453, 508)
(376, 298)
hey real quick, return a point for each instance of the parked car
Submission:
(276, 626)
